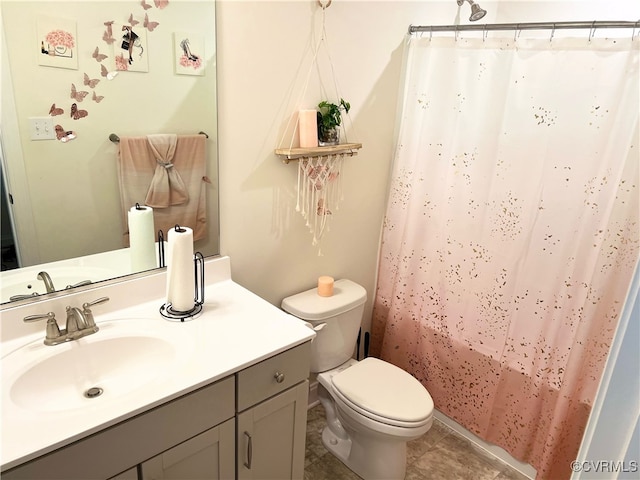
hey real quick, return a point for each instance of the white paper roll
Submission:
(142, 243)
(180, 269)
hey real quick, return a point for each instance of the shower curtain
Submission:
(511, 232)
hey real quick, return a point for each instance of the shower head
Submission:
(476, 11)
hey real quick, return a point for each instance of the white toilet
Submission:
(373, 408)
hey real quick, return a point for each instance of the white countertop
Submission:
(236, 329)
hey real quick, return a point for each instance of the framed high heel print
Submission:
(57, 42)
(189, 53)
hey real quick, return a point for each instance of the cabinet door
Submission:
(271, 437)
(208, 456)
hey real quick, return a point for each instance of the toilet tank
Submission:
(336, 320)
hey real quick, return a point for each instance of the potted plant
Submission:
(329, 119)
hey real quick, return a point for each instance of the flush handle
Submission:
(279, 377)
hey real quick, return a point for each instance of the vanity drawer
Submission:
(272, 376)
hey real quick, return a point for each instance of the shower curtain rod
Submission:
(524, 26)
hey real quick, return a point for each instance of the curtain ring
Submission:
(484, 32)
(553, 31)
(456, 33)
(592, 30)
(430, 33)
(324, 7)
(516, 33)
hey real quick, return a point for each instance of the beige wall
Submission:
(261, 46)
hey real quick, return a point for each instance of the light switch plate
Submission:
(41, 128)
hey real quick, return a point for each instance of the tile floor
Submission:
(441, 454)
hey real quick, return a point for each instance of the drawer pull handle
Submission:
(279, 377)
(247, 463)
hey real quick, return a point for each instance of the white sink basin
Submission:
(121, 357)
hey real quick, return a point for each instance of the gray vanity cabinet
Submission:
(272, 417)
(249, 425)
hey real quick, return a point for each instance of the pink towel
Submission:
(167, 187)
(136, 169)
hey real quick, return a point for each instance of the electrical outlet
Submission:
(41, 128)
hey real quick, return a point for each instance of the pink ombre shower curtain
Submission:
(511, 232)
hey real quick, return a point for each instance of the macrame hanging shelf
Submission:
(319, 168)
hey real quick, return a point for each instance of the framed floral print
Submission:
(57, 42)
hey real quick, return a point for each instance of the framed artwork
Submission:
(130, 48)
(189, 53)
(57, 42)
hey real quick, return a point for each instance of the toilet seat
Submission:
(384, 393)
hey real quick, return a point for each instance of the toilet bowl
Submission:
(373, 408)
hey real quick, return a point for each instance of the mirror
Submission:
(67, 212)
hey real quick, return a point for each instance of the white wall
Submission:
(261, 47)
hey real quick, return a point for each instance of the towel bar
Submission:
(115, 138)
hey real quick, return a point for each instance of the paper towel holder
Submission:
(169, 313)
(161, 260)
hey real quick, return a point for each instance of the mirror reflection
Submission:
(75, 74)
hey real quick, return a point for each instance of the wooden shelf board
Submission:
(296, 153)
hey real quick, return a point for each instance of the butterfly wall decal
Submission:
(107, 36)
(98, 56)
(151, 26)
(91, 82)
(161, 3)
(106, 73)
(53, 111)
(64, 135)
(77, 114)
(97, 98)
(78, 96)
(145, 5)
(133, 22)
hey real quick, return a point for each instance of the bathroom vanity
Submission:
(221, 396)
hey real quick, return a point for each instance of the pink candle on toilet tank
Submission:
(325, 286)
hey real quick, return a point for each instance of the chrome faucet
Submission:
(80, 323)
(76, 323)
(48, 283)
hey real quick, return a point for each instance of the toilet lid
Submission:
(384, 390)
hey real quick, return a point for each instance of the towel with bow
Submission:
(167, 187)
(168, 173)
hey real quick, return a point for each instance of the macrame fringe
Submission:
(319, 191)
